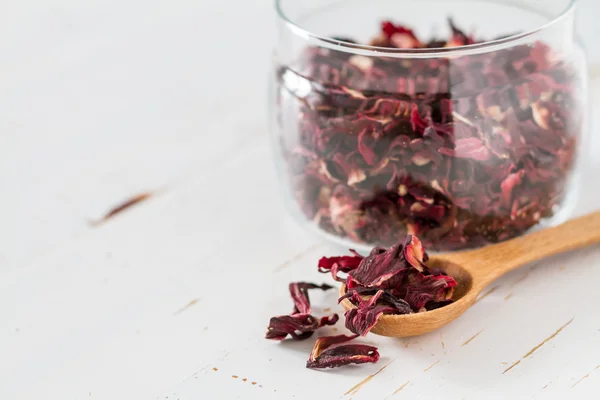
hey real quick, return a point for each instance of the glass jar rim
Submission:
(374, 51)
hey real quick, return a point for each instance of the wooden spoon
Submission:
(474, 270)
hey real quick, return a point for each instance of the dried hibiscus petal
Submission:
(343, 264)
(329, 320)
(414, 253)
(394, 281)
(299, 293)
(420, 290)
(300, 324)
(330, 352)
(385, 298)
(364, 316)
(378, 267)
(382, 265)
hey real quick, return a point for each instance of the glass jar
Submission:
(459, 140)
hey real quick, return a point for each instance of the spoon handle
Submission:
(490, 262)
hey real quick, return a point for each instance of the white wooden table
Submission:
(102, 100)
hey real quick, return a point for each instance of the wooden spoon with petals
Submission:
(474, 270)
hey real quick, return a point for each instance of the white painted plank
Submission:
(104, 100)
(112, 317)
(124, 101)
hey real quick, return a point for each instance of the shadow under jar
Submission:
(457, 121)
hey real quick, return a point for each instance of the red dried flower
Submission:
(300, 324)
(392, 281)
(414, 253)
(329, 352)
(421, 291)
(364, 317)
(378, 267)
(343, 264)
(299, 293)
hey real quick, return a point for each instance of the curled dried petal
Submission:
(384, 298)
(298, 326)
(330, 352)
(335, 265)
(329, 320)
(419, 289)
(366, 314)
(324, 342)
(379, 266)
(299, 293)
(414, 253)
(362, 319)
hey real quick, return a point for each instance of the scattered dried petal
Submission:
(299, 293)
(344, 264)
(300, 324)
(329, 352)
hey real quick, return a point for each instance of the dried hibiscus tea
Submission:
(331, 352)
(460, 150)
(300, 324)
(365, 315)
(393, 281)
(383, 297)
(299, 293)
(340, 264)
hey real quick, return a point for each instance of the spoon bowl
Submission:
(474, 270)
